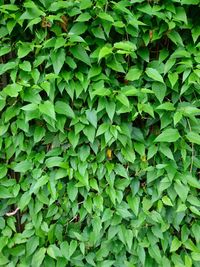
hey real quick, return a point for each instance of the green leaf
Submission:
(105, 51)
(125, 45)
(193, 137)
(133, 74)
(110, 109)
(175, 37)
(73, 138)
(166, 151)
(12, 89)
(39, 183)
(85, 4)
(72, 247)
(63, 108)
(175, 245)
(105, 16)
(173, 78)
(60, 41)
(24, 200)
(181, 190)
(159, 90)
(154, 75)
(53, 162)
(24, 50)
(38, 133)
(123, 99)
(47, 108)
(94, 71)
(92, 117)
(192, 181)
(115, 65)
(54, 252)
(58, 59)
(79, 53)
(23, 166)
(168, 135)
(25, 65)
(38, 257)
(167, 201)
(166, 106)
(78, 28)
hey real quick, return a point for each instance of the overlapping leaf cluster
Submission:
(99, 130)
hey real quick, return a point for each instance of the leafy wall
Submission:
(99, 125)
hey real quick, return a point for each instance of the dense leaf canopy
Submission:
(100, 133)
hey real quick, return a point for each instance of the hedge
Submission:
(100, 133)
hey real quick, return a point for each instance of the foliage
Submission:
(100, 133)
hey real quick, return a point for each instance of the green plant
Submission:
(99, 130)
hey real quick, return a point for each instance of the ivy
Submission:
(100, 133)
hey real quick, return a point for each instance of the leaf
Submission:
(110, 109)
(193, 137)
(25, 65)
(54, 252)
(78, 28)
(181, 190)
(63, 108)
(125, 45)
(159, 91)
(23, 166)
(175, 37)
(38, 133)
(85, 4)
(12, 90)
(60, 41)
(115, 65)
(105, 16)
(195, 33)
(167, 201)
(175, 245)
(166, 151)
(192, 181)
(173, 78)
(154, 74)
(166, 106)
(38, 257)
(47, 108)
(72, 247)
(104, 51)
(168, 135)
(24, 50)
(79, 53)
(94, 71)
(133, 74)
(24, 200)
(58, 59)
(120, 170)
(92, 117)
(123, 99)
(53, 161)
(39, 183)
